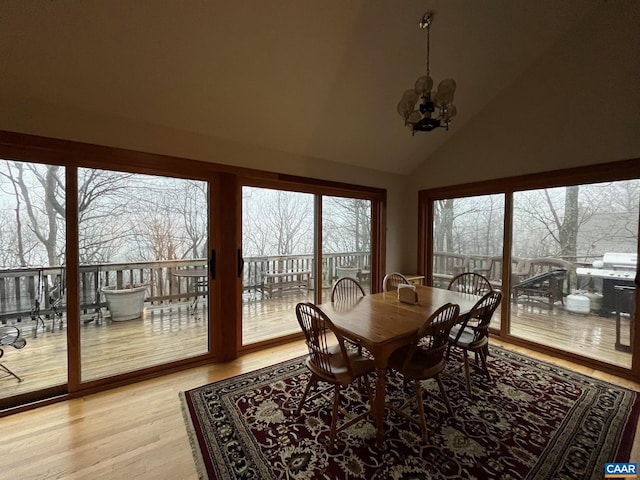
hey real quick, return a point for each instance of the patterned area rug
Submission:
(537, 421)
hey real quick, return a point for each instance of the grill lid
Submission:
(625, 261)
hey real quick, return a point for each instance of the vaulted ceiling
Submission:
(319, 79)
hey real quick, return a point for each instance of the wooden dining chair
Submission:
(470, 282)
(331, 363)
(472, 334)
(424, 358)
(10, 337)
(346, 290)
(391, 281)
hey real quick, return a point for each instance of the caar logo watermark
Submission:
(620, 470)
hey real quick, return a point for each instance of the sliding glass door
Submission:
(144, 279)
(468, 237)
(282, 232)
(346, 242)
(574, 257)
(32, 259)
(115, 264)
(278, 248)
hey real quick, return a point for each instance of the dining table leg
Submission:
(378, 404)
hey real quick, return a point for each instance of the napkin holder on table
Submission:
(407, 294)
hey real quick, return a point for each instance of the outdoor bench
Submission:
(276, 283)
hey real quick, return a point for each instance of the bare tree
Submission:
(346, 225)
(277, 222)
(39, 195)
(42, 207)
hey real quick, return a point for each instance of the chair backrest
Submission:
(10, 336)
(319, 330)
(470, 282)
(480, 316)
(391, 281)
(346, 289)
(433, 336)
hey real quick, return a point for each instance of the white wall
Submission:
(577, 105)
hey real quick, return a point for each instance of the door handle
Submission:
(212, 265)
(240, 263)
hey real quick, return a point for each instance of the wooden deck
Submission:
(166, 334)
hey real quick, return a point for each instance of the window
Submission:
(571, 238)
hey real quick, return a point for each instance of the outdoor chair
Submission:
(10, 336)
(330, 363)
(425, 358)
(469, 282)
(472, 334)
(57, 297)
(391, 281)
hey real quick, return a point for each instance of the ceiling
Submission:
(318, 79)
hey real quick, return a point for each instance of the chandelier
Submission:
(433, 109)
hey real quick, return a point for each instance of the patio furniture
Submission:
(347, 271)
(277, 283)
(10, 336)
(201, 277)
(548, 285)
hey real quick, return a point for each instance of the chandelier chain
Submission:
(428, 48)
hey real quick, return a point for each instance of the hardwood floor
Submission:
(138, 431)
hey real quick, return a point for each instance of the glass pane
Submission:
(278, 251)
(32, 294)
(346, 242)
(143, 276)
(574, 259)
(468, 236)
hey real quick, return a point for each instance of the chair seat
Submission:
(466, 338)
(424, 364)
(360, 365)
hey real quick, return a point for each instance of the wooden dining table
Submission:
(382, 324)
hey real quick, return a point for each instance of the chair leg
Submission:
(423, 423)
(10, 372)
(312, 381)
(485, 368)
(367, 384)
(467, 374)
(444, 394)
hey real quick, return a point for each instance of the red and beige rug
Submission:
(536, 421)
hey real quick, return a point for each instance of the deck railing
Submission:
(23, 290)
